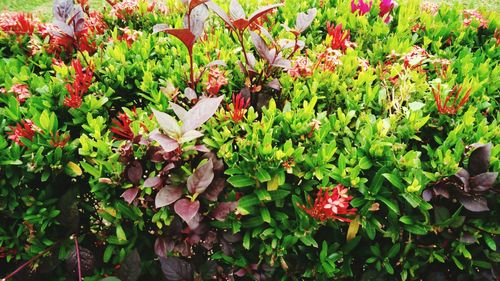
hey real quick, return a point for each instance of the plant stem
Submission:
(78, 262)
(30, 261)
(191, 68)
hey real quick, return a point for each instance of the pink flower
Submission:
(473, 14)
(415, 57)
(21, 91)
(24, 130)
(430, 8)
(216, 79)
(386, 7)
(301, 68)
(330, 59)
(330, 204)
(362, 7)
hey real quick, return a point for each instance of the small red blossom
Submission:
(125, 9)
(129, 35)
(121, 128)
(415, 58)
(240, 104)
(341, 40)
(95, 23)
(301, 68)
(18, 23)
(330, 204)
(430, 8)
(452, 96)
(362, 7)
(80, 86)
(58, 140)
(24, 130)
(473, 14)
(216, 79)
(330, 59)
(21, 91)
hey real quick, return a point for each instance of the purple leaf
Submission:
(214, 189)
(236, 10)
(152, 182)
(274, 84)
(279, 61)
(190, 94)
(179, 111)
(218, 163)
(62, 9)
(467, 238)
(183, 34)
(77, 21)
(427, 195)
(167, 196)
(463, 176)
(200, 113)
(216, 63)
(194, 222)
(197, 19)
(441, 190)
(261, 46)
(134, 172)
(130, 194)
(186, 209)
(190, 135)
(267, 34)
(201, 178)
(222, 210)
(176, 269)
(163, 246)
(221, 13)
(479, 160)
(201, 148)
(130, 268)
(474, 203)
(166, 143)
(262, 11)
(484, 181)
(305, 20)
(168, 124)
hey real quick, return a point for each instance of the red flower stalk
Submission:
(455, 93)
(362, 7)
(340, 39)
(122, 130)
(216, 79)
(18, 23)
(21, 91)
(24, 130)
(80, 86)
(240, 104)
(331, 206)
(58, 140)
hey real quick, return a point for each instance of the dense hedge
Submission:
(306, 140)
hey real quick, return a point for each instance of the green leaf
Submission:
(394, 180)
(241, 181)
(263, 175)
(266, 216)
(73, 170)
(490, 242)
(247, 202)
(120, 233)
(393, 206)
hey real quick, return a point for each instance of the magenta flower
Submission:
(362, 7)
(386, 7)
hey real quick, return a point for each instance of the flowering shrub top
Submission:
(207, 140)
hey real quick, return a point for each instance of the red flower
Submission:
(301, 68)
(80, 86)
(21, 91)
(386, 7)
(58, 140)
(445, 107)
(362, 7)
(340, 39)
(122, 128)
(216, 79)
(18, 23)
(330, 206)
(240, 104)
(95, 23)
(24, 130)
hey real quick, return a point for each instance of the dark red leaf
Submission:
(183, 34)
(274, 84)
(200, 113)
(134, 172)
(467, 238)
(130, 194)
(479, 160)
(261, 46)
(197, 19)
(152, 182)
(194, 3)
(163, 246)
(262, 11)
(130, 268)
(304, 20)
(213, 191)
(201, 178)
(186, 209)
(87, 262)
(241, 24)
(474, 203)
(167, 196)
(222, 210)
(484, 181)
(176, 269)
(168, 144)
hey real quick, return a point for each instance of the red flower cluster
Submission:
(455, 93)
(95, 23)
(340, 38)
(21, 91)
(18, 23)
(301, 68)
(80, 86)
(473, 14)
(129, 35)
(128, 8)
(59, 140)
(216, 79)
(240, 104)
(24, 130)
(122, 130)
(330, 206)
